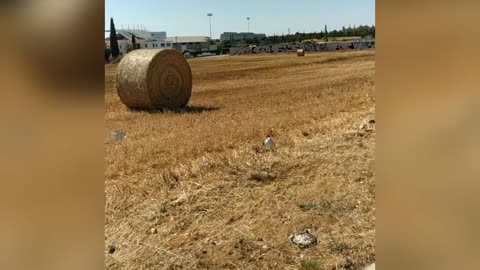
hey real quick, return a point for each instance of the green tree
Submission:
(226, 44)
(326, 33)
(113, 39)
(242, 43)
(134, 42)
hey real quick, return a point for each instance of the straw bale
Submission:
(154, 79)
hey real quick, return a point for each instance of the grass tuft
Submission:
(310, 265)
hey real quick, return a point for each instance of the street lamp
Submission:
(248, 21)
(210, 19)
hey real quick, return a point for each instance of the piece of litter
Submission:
(304, 239)
(270, 144)
(118, 136)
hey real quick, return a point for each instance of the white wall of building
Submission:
(123, 45)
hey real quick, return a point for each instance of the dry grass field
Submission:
(195, 189)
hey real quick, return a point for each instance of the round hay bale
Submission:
(154, 79)
(300, 52)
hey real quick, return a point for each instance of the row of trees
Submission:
(360, 31)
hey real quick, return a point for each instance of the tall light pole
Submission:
(248, 22)
(210, 19)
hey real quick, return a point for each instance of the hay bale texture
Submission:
(300, 52)
(154, 79)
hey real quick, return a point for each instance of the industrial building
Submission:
(234, 36)
(192, 43)
(159, 40)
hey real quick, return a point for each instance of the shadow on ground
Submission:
(184, 110)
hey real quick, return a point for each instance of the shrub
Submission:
(108, 52)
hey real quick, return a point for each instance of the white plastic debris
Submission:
(270, 144)
(118, 136)
(304, 239)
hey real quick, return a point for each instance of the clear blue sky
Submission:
(189, 17)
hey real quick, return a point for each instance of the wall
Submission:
(322, 47)
(123, 44)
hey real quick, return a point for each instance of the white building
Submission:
(159, 40)
(190, 43)
(143, 40)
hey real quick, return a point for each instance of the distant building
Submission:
(234, 36)
(159, 40)
(189, 44)
(159, 35)
(143, 39)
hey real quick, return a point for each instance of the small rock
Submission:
(111, 249)
(305, 133)
(304, 239)
(372, 121)
(118, 136)
(211, 242)
(153, 230)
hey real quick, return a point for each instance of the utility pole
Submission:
(248, 22)
(210, 19)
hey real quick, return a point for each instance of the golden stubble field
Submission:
(194, 188)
